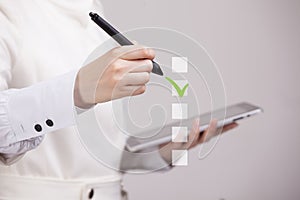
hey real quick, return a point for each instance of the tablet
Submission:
(232, 113)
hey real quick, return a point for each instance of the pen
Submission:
(121, 39)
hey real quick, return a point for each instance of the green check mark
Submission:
(178, 89)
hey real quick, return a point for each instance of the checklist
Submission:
(179, 110)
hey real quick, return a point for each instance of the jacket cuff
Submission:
(41, 108)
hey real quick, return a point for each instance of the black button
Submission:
(49, 122)
(38, 128)
(91, 193)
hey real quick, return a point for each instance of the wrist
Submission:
(78, 98)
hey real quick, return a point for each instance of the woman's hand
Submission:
(194, 138)
(123, 71)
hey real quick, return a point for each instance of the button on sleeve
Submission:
(42, 108)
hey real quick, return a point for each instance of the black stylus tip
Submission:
(156, 69)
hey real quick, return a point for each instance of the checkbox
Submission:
(179, 157)
(179, 111)
(179, 134)
(181, 84)
(179, 64)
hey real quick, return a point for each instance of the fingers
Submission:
(138, 66)
(195, 138)
(194, 134)
(137, 75)
(135, 52)
(139, 90)
(135, 79)
(129, 91)
(229, 127)
(210, 132)
(213, 130)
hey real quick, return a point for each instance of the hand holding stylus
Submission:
(121, 39)
(123, 71)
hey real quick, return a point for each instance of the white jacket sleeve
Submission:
(29, 113)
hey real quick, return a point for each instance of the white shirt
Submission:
(42, 46)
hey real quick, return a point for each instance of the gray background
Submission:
(256, 44)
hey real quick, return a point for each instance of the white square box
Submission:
(181, 84)
(179, 111)
(179, 134)
(179, 157)
(180, 64)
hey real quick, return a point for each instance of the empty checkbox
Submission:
(179, 111)
(179, 157)
(179, 64)
(179, 134)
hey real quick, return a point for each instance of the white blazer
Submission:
(42, 46)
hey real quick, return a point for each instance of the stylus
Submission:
(121, 39)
